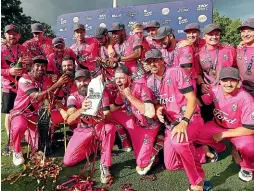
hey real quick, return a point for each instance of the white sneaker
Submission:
(18, 158)
(127, 149)
(245, 175)
(105, 174)
(144, 171)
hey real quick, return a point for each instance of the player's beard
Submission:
(70, 73)
(82, 90)
(13, 41)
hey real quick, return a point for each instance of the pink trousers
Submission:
(184, 155)
(244, 144)
(83, 143)
(142, 138)
(21, 124)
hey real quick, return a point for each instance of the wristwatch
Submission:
(186, 119)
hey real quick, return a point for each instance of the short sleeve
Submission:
(184, 82)
(27, 86)
(105, 102)
(147, 95)
(72, 102)
(247, 115)
(185, 56)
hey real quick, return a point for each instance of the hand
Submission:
(53, 78)
(180, 131)
(86, 104)
(241, 45)
(64, 114)
(146, 66)
(205, 88)
(100, 116)
(112, 61)
(218, 137)
(125, 92)
(99, 59)
(27, 60)
(63, 80)
(16, 71)
(184, 43)
(159, 113)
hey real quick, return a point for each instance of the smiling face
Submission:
(193, 35)
(68, 67)
(229, 85)
(247, 35)
(152, 31)
(38, 36)
(156, 65)
(39, 69)
(59, 49)
(212, 38)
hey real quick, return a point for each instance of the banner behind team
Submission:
(174, 14)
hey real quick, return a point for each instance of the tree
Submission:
(230, 33)
(12, 12)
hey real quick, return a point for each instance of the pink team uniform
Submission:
(36, 48)
(180, 155)
(231, 113)
(142, 130)
(55, 62)
(132, 43)
(25, 110)
(247, 77)
(7, 61)
(226, 57)
(81, 144)
(86, 53)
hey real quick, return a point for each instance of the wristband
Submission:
(186, 119)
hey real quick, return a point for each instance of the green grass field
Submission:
(222, 174)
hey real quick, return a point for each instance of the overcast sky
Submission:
(48, 10)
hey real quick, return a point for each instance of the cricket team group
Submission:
(178, 97)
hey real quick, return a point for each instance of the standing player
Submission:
(11, 53)
(39, 45)
(55, 58)
(233, 118)
(151, 28)
(212, 58)
(245, 56)
(89, 128)
(86, 49)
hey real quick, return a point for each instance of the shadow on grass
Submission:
(221, 178)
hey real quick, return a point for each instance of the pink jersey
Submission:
(225, 56)
(37, 48)
(174, 85)
(233, 112)
(86, 53)
(145, 48)
(55, 62)
(75, 101)
(143, 94)
(152, 43)
(27, 85)
(247, 77)
(132, 43)
(7, 61)
(154, 84)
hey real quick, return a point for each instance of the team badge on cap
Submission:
(234, 107)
